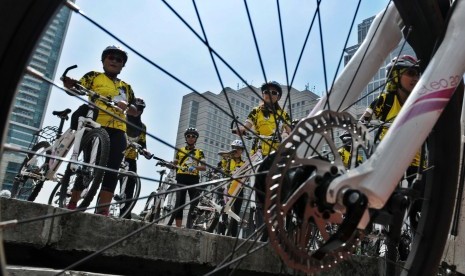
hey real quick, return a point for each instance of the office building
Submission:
(209, 113)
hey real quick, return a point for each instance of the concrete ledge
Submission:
(158, 250)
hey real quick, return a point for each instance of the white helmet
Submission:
(237, 144)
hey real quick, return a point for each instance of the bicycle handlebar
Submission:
(82, 91)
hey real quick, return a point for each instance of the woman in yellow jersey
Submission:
(402, 75)
(189, 161)
(267, 119)
(109, 85)
(229, 166)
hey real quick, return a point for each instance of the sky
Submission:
(157, 35)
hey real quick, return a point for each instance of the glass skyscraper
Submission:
(27, 114)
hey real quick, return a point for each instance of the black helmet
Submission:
(139, 103)
(117, 50)
(274, 84)
(402, 62)
(191, 130)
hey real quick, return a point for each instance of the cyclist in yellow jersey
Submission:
(108, 84)
(267, 119)
(402, 75)
(135, 134)
(189, 161)
(229, 166)
(346, 150)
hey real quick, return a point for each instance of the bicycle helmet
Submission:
(272, 84)
(139, 103)
(116, 50)
(402, 62)
(237, 144)
(191, 130)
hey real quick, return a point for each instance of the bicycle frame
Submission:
(416, 118)
(254, 160)
(54, 164)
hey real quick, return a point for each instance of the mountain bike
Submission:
(212, 210)
(90, 146)
(121, 206)
(161, 202)
(30, 186)
(341, 195)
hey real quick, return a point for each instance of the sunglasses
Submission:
(272, 92)
(236, 148)
(191, 136)
(115, 58)
(411, 73)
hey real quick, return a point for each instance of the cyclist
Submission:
(345, 150)
(267, 119)
(135, 134)
(402, 75)
(229, 166)
(108, 84)
(189, 161)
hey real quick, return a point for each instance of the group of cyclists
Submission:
(266, 119)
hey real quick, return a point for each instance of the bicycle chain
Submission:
(298, 218)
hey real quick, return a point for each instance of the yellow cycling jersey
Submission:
(229, 166)
(345, 156)
(116, 90)
(390, 117)
(187, 158)
(131, 153)
(267, 126)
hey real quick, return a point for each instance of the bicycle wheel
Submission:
(29, 187)
(56, 199)
(94, 151)
(123, 209)
(44, 15)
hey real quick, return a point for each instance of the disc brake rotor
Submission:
(298, 218)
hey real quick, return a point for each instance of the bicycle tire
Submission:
(26, 20)
(104, 152)
(214, 222)
(147, 208)
(36, 186)
(17, 64)
(131, 204)
(55, 198)
(54, 192)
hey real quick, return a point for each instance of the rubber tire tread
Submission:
(136, 194)
(440, 189)
(23, 21)
(214, 223)
(104, 154)
(52, 195)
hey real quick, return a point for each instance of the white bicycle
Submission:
(45, 159)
